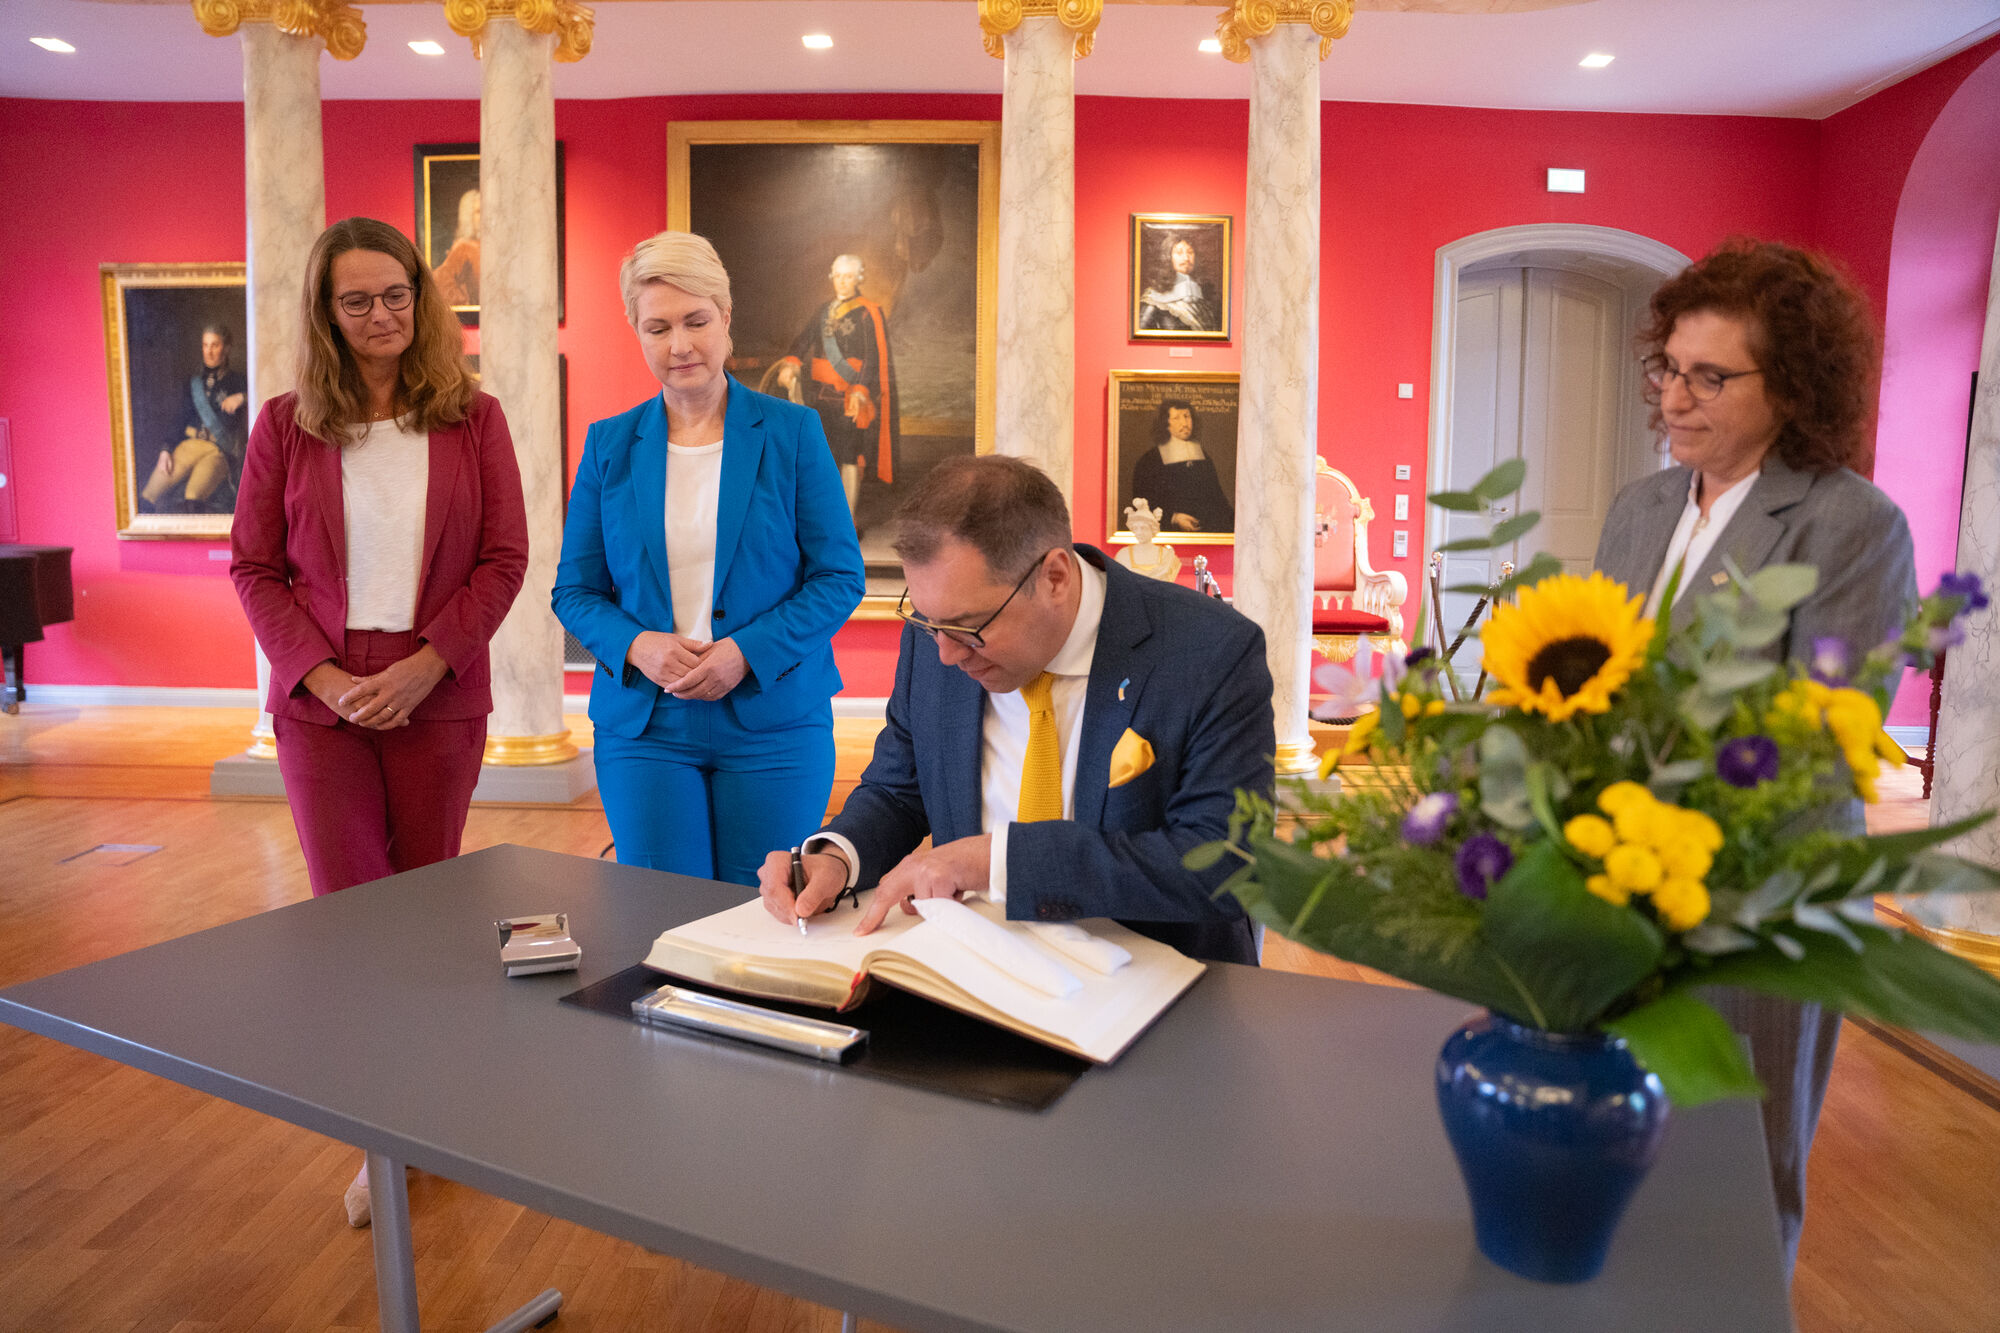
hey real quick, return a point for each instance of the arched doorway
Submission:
(1531, 358)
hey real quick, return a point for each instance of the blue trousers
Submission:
(698, 795)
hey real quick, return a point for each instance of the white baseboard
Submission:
(1910, 738)
(174, 696)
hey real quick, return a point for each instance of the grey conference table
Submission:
(1268, 1157)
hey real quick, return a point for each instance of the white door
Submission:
(1536, 375)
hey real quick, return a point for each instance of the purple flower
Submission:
(1482, 860)
(1426, 821)
(1940, 637)
(1416, 657)
(1966, 586)
(1829, 660)
(1747, 761)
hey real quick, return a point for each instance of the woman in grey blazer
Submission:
(1760, 366)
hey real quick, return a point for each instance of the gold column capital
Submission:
(997, 18)
(334, 22)
(572, 23)
(1245, 19)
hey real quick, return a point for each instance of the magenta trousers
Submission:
(372, 803)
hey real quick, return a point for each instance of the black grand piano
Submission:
(34, 591)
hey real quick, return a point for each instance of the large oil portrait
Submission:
(174, 353)
(1180, 277)
(862, 260)
(448, 222)
(1173, 444)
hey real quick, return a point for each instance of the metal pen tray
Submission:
(675, 1006)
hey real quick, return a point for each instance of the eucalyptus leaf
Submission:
(1704, 710)
(1782, 587)
(1503, 778)
(1788, 946)
(1770, 898)
(1541, 567)
(1677, 774)
(1485, 543)
(1733, 675)
(1502, 481)
(1206, 856)
(1716, 937)
(1690, 1047)
(1826, 923)
(1755, 629)
(1459, 502)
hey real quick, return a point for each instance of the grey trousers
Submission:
(1791, 1048)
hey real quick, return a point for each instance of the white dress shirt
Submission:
(385, 481)
(694, 489)
(1003, 747)
(1694, 537)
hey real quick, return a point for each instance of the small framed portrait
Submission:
(1180, 277)
(1173, 444)
(447, 234)
(863, 259)
(174, 340)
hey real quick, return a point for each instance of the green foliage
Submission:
(1785, 903)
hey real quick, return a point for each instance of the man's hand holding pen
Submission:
(825, 877)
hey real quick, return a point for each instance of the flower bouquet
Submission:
(1629, 816)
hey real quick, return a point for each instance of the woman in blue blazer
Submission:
(707, 560)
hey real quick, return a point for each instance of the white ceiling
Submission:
(1722, 57)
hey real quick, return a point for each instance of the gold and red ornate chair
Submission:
(1351, 599)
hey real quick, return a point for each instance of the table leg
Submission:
(395, 1261)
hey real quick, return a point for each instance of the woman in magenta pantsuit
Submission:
(379, 539)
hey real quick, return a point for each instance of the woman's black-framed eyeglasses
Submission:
(967, 636)
(358, 304)
(1703, 382)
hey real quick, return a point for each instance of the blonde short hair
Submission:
(678, 258)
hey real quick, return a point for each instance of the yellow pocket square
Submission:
(1132, 756)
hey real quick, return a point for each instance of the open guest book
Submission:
(1089, 988)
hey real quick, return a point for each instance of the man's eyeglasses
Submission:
(966, 636)
(1703, 382)
(359, 304)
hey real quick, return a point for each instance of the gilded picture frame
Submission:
(912, 208)
(176, 365)
(1181, 275)
(448, 223)
(1188, 461)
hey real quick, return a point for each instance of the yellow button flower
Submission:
(1685, 860)
(1590, 835)
(1682, 904)
(1602, 886)
(1621, 794)
(1633, 868)
(1412, 705)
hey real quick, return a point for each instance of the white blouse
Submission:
(384, 480)
(694, 488)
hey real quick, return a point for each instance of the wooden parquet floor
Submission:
(130, 1203)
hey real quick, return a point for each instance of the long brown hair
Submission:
(436, 387)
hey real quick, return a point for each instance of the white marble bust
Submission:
(1154, 559)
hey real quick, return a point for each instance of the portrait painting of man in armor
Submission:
(1180, 277)
(861, 261)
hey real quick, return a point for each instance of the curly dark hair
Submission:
(1162, 431)
(1811, 335)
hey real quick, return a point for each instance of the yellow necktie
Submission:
(1041, 770)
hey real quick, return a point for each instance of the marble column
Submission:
(517, 343)
(1035, 376)
(284, 196)
(1966, 779)
(1277, 423)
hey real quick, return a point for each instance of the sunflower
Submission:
(1566, 646)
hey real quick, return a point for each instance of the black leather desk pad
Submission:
(911, 1040)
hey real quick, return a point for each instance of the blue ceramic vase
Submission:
(1554, 1132)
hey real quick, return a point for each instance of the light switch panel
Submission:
(1406, 391)
(1400, 546)
(1402, 472)
(1402, 508)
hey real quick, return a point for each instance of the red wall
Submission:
(165, 183)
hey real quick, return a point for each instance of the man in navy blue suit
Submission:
(1154, 705)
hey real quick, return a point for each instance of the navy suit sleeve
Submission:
(1059, 869)
(831, 580)
(884, 816)
(583, 598)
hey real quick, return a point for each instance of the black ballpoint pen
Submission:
(798, 886)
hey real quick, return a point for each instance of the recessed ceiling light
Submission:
(427, 48)
(817, 41)
(56, 44)
(1596, 60)
(1211, 46)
